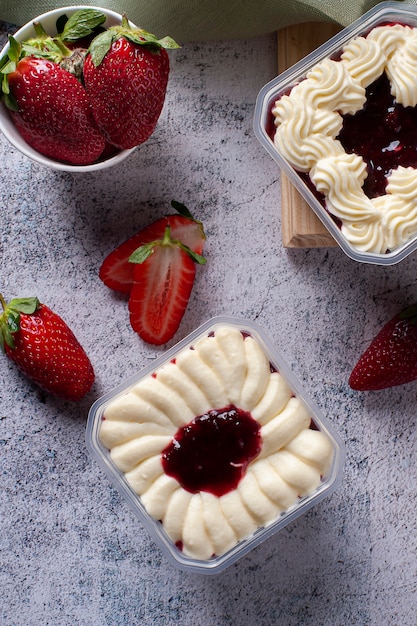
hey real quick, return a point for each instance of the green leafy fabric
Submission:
(204, 20)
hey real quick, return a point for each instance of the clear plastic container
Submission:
(330, 481)
(385, 12)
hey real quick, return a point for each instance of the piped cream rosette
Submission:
(224, 368)
(309, 119)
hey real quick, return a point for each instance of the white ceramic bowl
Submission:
(48, 21)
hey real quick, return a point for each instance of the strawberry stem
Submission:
(125, 22)
(2, 302)
(39, 30)
(167, 240)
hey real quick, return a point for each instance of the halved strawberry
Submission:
(164, 273)
(117, 272)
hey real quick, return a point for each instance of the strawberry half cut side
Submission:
(391, 358)
(116, 271)
(163, 278)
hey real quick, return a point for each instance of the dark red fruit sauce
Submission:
(212, 452)
(384, 133)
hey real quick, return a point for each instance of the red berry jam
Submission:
(384, 133)
(212, 452)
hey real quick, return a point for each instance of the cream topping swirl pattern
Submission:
(309, 119)
(224, 368)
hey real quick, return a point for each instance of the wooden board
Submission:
(301, 228)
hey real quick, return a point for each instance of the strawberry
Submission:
(44, 348)
(163, 278)
(126, 75)
(53, 113)
(48, 104)
(117, 272)
(391, 358)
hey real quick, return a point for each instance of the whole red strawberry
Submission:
(126, 76)
(391, 358)
(42, 88)
(53, 113)
(44, 348)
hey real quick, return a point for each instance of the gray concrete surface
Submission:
(71, 552)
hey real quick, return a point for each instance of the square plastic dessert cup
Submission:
(385, 12)
(216, 564)
(48, 21)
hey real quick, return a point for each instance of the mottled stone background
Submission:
(72, 552)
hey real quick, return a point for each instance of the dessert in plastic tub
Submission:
(342, 124)
(215, 445)
(49, 22)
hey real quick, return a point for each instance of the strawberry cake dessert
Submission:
(349, 128)
(215, 443)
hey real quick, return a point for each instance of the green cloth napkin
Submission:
(204, 20)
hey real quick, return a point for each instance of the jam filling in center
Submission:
(212, 452)
(383, 133)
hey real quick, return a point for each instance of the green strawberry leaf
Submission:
(101, 45)
(197, 258)
(409, 314)
(46, 49)
(5, 89)
(181, 209)
(60, 23)
(168, 43)
(6, 337)
(137, 36)
(81, 24)
(14, 49)
(30, 48)
(51, 48)
(13, 320)
(9, 99)
(143, 252)
(10, 318)
(143, 38)
(24, 305)
(8, 67)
